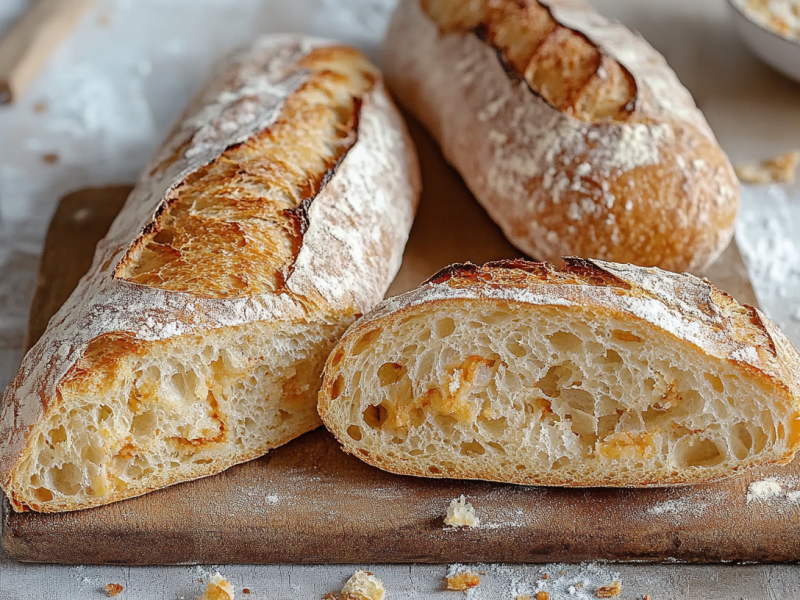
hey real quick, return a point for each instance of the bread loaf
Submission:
(597, 374)
(572, 131)
(273, 216)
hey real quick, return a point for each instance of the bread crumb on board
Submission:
(609, 591)
(112, 589)
(362, 585)
(541, 595)
(218, 589)
(780, 169)
(461, 513)
(462, 581)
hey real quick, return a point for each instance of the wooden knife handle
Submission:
(31, 40)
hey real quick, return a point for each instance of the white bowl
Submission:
(779, 52)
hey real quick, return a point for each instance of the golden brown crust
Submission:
(557, 63)
(570, 130)
(697, 315)
(250, 205)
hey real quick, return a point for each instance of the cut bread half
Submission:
(596, 374)
(273, 216)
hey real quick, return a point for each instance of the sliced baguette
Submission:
(596, 374)
(273, 216)
(571, 130)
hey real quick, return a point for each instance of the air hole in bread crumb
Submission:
(66, 479)
(58, 435)
(164, 236)
(473, 448)
(562, 462)
(444, 327)
(564, 341)
(715, 382)
(390, 373)
(375, 416)
(354, 431)
(435, 470)
(336, 388)
(692, 452)
(741, 441)
(43, 494)
(104, 413)
(365, 340)
(337, 358)
(516, 348)
(625, 336)
(549, 384)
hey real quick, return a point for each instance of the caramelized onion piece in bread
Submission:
(273, 216)
(596, 374)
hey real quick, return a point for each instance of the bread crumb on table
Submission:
(542, 595)
(461, 513)
(112, 589)
(462, 581)
(523, 597)
(362, 585)
(780, 169)
(609, 591)
(218, 589)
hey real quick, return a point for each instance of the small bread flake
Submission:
(524, 597)
(463, 581)
(112, 589)
(780, 169)
(363, 585)
(609, 591)
(218, 589)
(542, 595)
(461, 513)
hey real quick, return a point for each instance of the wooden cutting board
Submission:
(307, 502)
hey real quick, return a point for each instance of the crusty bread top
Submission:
(689, 308)
(352, 231)
(250, 204)
(576, 60)
(571, 130)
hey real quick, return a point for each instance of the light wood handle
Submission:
(31, 40)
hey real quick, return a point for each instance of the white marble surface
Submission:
(112, 90)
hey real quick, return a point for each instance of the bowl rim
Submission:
(733, 4)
